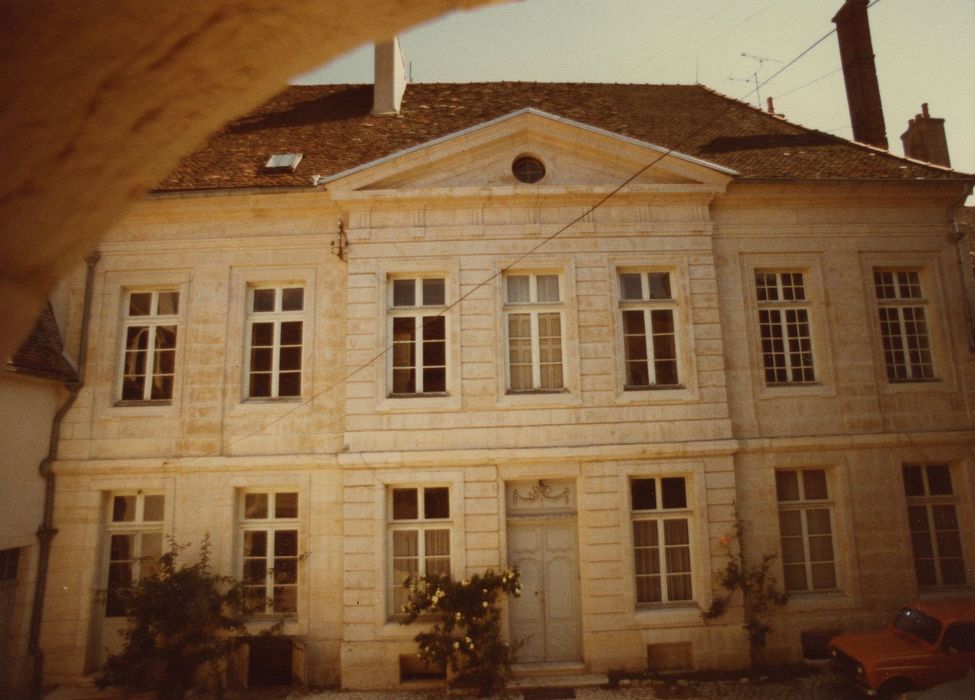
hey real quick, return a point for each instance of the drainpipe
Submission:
(46, 531)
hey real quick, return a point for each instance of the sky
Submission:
(925, 52)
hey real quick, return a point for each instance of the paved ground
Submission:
(815, 686)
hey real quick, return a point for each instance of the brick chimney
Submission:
(390, 82)
(925, 139)
(860, 74)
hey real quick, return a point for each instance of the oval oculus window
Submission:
(528, 169)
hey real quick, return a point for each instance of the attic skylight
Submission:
(283, 162)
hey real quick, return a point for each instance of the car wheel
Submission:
(893, 689)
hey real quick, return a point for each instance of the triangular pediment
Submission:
(574, 156)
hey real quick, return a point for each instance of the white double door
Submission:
(545, 620)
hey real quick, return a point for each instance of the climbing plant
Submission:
(757, 585)
(466, 633)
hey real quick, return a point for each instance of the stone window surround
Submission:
(811, 266)
(107, 355)
(569, 395)
(383, 273)
(803, 504)
(271, 524)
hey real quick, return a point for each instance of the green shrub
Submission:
(466, 636)
(181, 620)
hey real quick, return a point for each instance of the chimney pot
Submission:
(925, 139)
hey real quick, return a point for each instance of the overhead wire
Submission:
(733, 104)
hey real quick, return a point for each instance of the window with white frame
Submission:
(933, 519)
(149, 330)
(903, 326)
(275, 338)
(806, 529)
(418, 327)
(648, 310)
(533, 332)
(661, 539)
(784, 326)
(135, 543)
(269, 541)
(419, 537)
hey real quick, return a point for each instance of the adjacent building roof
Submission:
(331, 126)
(42, 353)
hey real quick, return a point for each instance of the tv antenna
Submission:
(761, 60)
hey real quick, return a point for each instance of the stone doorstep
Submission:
(539, 676)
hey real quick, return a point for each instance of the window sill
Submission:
(412, 403)
(907, 386)
(537, 397)
(808, 601)
(126, 403)
(677, 614)
(938, 592)
(790, 390)
(671, 393)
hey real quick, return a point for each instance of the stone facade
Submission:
(558, 474)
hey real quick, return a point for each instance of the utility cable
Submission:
(733, 104)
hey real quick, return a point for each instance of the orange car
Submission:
(927, 644)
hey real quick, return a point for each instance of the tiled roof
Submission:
(42, 353)
(332, 126)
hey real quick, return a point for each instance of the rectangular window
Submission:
(533, 328)
(135, 543)
(269, 535)
(805, 525)
(783, 322)
(419, 531)
(933, 519)
(903, 328)
(275, 330)
(661, 539)
(418, 361)
(149, 330)
(648, 312)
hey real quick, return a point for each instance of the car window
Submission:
(918, 624)
(961, 637)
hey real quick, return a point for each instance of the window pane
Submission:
(285, 599)
(939, 480)
(676, 532)
(436, 502)
(406, 543)
(790, 523)
(152, 546)
(291, 333)
(548, 288)
(405, 504)
(659, 285)
(787, 486)
(765, 286)
(823, 576)
(437, 543)
(433, 292)
(674, 493)
(255, 505)
(517, 286)
(152, 508)
(168, 303)
(633, 323)
(795, 577)
(817, 521)
(404, 292)
(264, 299)
(814, 484)
(123, 509)
(286, 505)
(643, 493)
(286, 543)
(292, 299)
(913, 481)
(122, 547)
(630, 286)
(262, 334)
(259, 386)
(255, 543)
(286, 570)
(255, 570)
(140, 304)
(289, 384)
